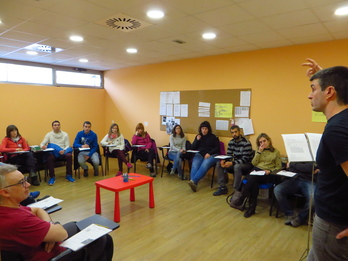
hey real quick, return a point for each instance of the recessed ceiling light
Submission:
(76, 38)
(342, 11)
(83, 60)
(31, 52)
(209, 36)
(155, 14)
(132, 50)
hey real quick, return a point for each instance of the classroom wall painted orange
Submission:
(32, 109)
(279, 102)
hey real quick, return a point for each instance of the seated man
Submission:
(241, 151)
(30, 232)
(87, 139)
(301, 183)
(59, 141)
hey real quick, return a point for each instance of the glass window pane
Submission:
(29, 74)
(73, 78)
(3, 72)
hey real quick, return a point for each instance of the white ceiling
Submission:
(240, 25)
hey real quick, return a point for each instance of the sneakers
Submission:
(221, 191)
(119, 173)
(172, 172)
(85, 172)
(51, 181)
(129, 165)
(148, 166)
(152, 174)
(96, 173)
(192, 185)
(34, 194)
(288, 219)
(69, 178)
(296, 222)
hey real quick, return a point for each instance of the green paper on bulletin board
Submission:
(223, 110)
(318, 117)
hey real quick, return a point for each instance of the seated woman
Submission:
(266, 158)
(141, 137)
(177, 144)
(208, 146)
(116, 141)
(14, 142)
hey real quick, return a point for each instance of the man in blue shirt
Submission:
(87, 142)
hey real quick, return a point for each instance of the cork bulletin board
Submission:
(220, 107)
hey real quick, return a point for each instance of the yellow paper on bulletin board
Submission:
(318, 117)
(223, 110)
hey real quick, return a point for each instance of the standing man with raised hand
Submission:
(240, 149)
(58, 140)
(87, 139)
(329, 94)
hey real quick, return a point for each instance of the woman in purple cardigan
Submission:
(146, 153)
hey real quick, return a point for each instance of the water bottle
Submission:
(125, 177)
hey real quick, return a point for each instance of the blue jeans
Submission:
(287, 189)
(94, 158)
(325, 246)
(175, 156)
(200, 166)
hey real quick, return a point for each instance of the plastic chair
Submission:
(107, 155)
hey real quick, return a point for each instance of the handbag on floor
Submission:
(234, 198)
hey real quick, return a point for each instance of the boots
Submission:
(251, 209)
(33, 180)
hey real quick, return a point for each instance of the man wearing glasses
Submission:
(30, 232)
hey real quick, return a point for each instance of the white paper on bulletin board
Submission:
(241, 112)
(246, 125)
(245, 98)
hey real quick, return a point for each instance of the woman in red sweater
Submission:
(18, 153)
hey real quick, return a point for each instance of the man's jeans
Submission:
(94, 158)
(200, 166)
(325, 246)
(287, 189)
(237, 170)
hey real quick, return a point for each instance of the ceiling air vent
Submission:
(122, 22)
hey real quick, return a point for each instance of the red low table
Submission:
(116, 184)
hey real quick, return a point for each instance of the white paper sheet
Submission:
(169, 109)
(258, 172)
(184, 110)
(45, 203)
(221, 125)
(241, 112)
(286, 173)
(85, 236)
(245, 98)
(177, 109)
